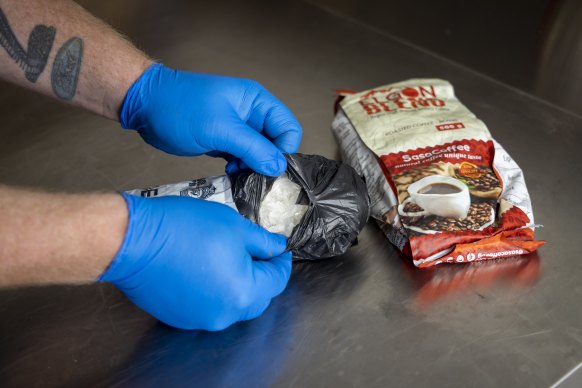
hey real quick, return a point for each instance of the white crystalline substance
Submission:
(279, 212)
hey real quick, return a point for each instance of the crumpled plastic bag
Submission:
(339, 205)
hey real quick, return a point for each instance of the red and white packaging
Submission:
(441, 188)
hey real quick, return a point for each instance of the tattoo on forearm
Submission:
(67, 64)
(66, 68)
(40, 43)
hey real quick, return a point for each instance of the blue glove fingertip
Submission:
(280, 242)
(234, 166)
(271, 276)
(260, 243)
(231, 167)
(277, 167)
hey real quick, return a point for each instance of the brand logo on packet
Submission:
(470, 170)
(391, 99)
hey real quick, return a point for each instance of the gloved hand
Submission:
(192, 114)
(196, 264)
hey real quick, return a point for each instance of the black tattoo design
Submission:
(66, 68)
(40, 43)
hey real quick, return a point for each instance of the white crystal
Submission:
(279, 212)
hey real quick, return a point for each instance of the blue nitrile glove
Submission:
(192, 114)
(196, 264)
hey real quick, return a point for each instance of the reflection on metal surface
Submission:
(435, 284)
(246, 352)
(559, 77)
(333, 277)
(253, 353)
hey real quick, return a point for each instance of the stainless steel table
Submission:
(365, 319)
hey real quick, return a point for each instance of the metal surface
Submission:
(534, 45)
(365, 319)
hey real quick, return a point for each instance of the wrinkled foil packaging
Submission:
(441, 188)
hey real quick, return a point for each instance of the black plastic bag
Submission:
(338, 201)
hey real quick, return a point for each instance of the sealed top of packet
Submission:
(442, 189)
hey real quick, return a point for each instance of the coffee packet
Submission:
(441, 188)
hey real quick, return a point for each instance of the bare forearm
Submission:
(59, 49)
(58, 238)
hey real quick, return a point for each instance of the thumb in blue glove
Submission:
(191, 114)
(197, 264)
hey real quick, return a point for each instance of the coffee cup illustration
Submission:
(441, 195)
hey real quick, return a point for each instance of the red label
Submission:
(450, 126)
(512, 219)
(477, 152)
